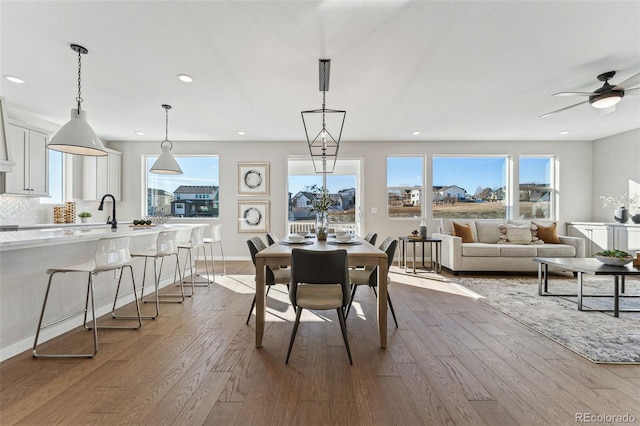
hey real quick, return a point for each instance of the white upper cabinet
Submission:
(101, 175)
(28, 149)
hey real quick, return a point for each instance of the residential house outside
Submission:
(158, 202)
(195, 200)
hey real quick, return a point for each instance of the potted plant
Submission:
(320, 204)
(84, 216)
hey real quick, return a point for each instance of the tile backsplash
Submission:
(21, 210)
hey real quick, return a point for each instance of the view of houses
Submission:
(185, 201)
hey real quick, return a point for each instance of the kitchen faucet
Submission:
(113, 222)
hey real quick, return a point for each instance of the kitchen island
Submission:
(25, 257)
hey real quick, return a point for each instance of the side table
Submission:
(436, 265)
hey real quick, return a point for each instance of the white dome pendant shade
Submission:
(77, 137)
(166, 164)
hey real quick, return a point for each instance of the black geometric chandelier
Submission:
(324, 146)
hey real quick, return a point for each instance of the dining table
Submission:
(359, 252)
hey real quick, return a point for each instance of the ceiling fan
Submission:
(606, 96)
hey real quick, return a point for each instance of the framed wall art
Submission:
(253, 216)
(253, 178)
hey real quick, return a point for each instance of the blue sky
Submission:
(197, 171)
(466, 172)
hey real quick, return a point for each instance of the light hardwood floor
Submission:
(452, 361)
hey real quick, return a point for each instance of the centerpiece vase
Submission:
(621, 215)
(322, 225)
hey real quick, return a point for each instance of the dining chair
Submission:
(272, 238)
(369, 275)
(273, 276)
(371, 238)
(216, 238)
(319, 281)
(195, 243)
(111, 254)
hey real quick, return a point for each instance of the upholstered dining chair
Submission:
(320, 281)
(371, 238)
(369, 275)
(272, 277)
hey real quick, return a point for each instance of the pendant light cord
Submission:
(166, 126)
(79, 98)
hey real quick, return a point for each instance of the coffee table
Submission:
(587, 266)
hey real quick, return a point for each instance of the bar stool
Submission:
(216, 238)
(111, 254)
(166, 245)
(195, 243)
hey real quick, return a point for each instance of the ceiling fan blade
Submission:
(634, 91)
(562, 109)
(574, 94)
(630, 82)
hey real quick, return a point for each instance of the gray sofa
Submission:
(486, 254)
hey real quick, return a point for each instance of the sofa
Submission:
(500, 245)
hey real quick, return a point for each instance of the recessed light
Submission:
(139, 133)
(185, 77)
(415, 132)
(14, 79)
(564, 132)
(241, 133)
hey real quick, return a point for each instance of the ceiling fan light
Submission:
(606, 100)
(77, 137)
(166, 164)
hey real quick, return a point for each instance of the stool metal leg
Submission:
(176, 272)
(35, 352)
(135, 296)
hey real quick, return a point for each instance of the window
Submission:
(469, 187)
(343, 186)
(536, 191)
(56, 181)
(192, 194)
(405, 195)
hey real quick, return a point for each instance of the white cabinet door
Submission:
(594, 234)
(38, 164)
(16, 182)
(28, 149)
(101, 175)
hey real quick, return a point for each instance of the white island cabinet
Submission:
(25, 257)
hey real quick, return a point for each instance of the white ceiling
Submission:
(454, 70)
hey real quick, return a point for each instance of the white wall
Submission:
(616, 170)
(575, 177)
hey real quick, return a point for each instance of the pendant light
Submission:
(166, 164)
(77, 137)
(324, 147)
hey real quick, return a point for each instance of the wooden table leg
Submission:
(261, 302)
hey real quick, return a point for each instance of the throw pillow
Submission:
(548, 233)
(519, 234)
(464, 232)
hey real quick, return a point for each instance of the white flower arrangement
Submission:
(624, 200)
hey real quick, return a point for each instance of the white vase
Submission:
(84, 219)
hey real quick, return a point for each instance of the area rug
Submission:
(597, 336)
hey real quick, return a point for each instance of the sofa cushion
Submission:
(518, 250)
(480, 250)
(488, 231)
(556, 250)
(463, 231)
(518, 234)
(447, 225)
(548, 234)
